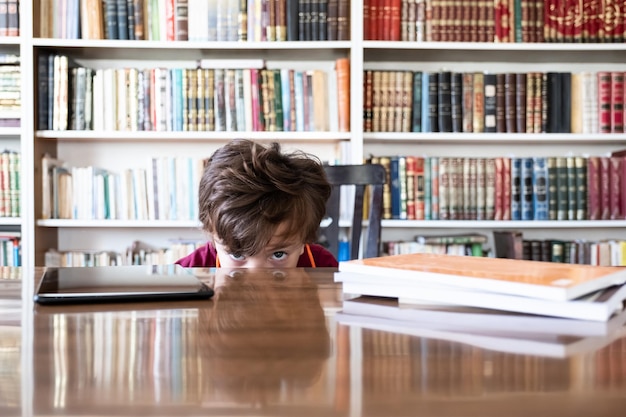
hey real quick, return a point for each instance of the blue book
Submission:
(425, 103)
(540, 188)
(527, 189)
(299, 97)
(284, 89)
(427, 189)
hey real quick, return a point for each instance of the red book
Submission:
(499, 190)
(604, 101)
(615, 171)
(170, 31)
(374, 16)
(394, 19)
(605, 189)
(593, 188)
(617, 102)
(366, 20)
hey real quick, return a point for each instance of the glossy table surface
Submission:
(269, 344)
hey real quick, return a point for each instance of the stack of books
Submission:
(516, 306)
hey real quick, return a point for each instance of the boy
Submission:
(262, 208)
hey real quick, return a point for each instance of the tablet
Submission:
(119, 284)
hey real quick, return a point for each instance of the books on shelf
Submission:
(232, 95)
(193, 20)
(574, 102)
(574, 291)
(506, 188)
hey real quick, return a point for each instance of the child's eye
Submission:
(279, 255)
(236, 257)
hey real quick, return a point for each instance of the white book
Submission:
(599, 306)
(473, 319)
(522, 278)
(550, 345)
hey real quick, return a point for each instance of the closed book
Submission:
(506, 188)
(521, 101)
(554, 103)
(490, 188)
(510, 100)
(433, 101)
(478, 108)
(605, 188)
(456, 95)
(444, 188)
(552, 188)
(615, 187)
(617, 102)
(468, 102)
(572, 203)
(593, 188)
(562, 200)
(516, 188)
(490, 103)
(535, 280)
(565, 119)
(540, 188)
(444, 102)
(604, 101)
(416, 111)
(292, 12)
(527, 188)
(500, 103)
(368, 85)
(580, 170)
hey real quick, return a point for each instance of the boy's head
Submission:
(261, 205)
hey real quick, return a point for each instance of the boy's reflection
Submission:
(264, 335)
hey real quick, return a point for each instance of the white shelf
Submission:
(477, 46)
(153, 224)
(508, 224)
(10, 221)
(10, 132)
(78, 135)
(10, 40)
(496, 138)
(178, 45)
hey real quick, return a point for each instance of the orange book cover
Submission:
(343, 93)
(533, 279)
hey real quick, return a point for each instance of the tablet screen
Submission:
(119, 283)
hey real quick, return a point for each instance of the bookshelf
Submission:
(118, 150)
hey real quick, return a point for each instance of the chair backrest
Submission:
(361, 176)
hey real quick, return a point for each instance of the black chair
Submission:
(361, 176)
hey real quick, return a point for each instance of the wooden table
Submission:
(268, 344)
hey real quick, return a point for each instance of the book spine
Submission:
(552, 188)
(456, 95)
(604, 101)
(444, 102)
(490, 104)
(417, 102)
(478, 108)
(540, 188)
(580, 170)
(605, 188)
(593, 188)
(516, 188)
(527, 188)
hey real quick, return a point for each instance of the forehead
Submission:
(282, 238)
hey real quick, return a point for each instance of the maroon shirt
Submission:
(204, 257)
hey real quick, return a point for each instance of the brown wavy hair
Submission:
(248, 189)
